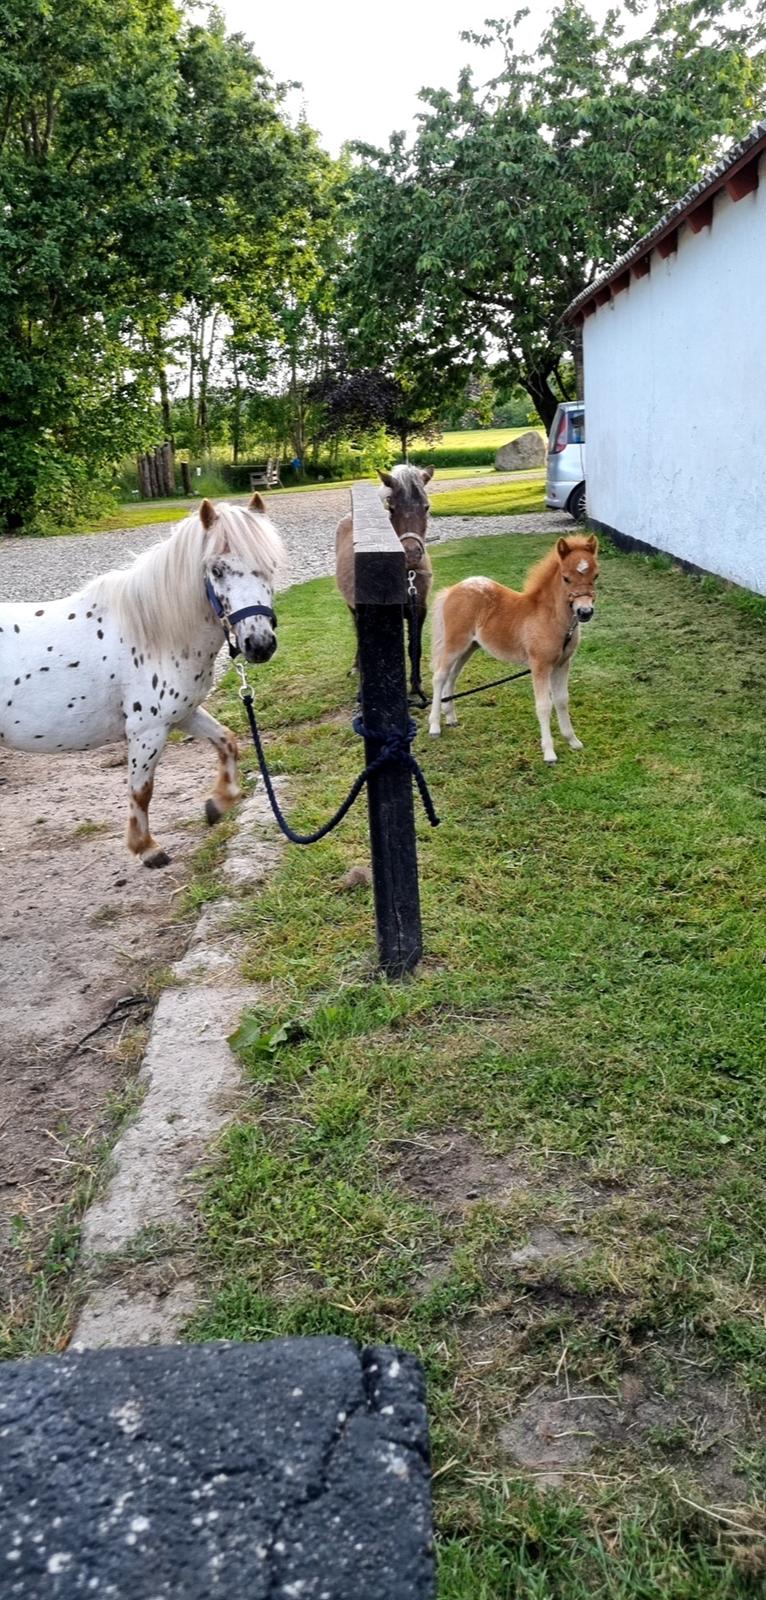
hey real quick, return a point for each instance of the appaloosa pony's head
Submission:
(241, 554)
(219, 563)
(408, 504)
(578, 559)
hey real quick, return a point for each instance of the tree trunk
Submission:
(236, 415)
(168, 469)
(167, 419)
(540, 391)
(404, 434)
(191, 398)
(205, 364)
(579, 365)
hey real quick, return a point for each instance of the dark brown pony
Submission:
(408, 507)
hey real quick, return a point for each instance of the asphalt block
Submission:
(297, 1468)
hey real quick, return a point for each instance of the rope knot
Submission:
(394, 746)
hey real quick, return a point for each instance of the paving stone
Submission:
(295, 1468)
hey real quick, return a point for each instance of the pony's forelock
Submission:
(543, 570)
(160, 599)
(409, 483)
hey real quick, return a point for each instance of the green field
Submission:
(540, 1163)
(471, 448)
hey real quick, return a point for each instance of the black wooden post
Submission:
(379, 587)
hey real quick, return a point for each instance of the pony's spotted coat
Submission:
(132, 654)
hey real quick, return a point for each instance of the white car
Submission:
(565, 475)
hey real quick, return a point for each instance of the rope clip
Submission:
(244, 687)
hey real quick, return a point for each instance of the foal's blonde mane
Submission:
(539, 576)
(160, 600)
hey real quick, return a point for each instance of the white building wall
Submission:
(675, 396)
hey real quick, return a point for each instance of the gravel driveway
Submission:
(42, 569)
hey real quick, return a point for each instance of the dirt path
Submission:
(83, 928)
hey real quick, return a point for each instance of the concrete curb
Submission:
(191, 1079)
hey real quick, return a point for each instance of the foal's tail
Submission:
(437, 628)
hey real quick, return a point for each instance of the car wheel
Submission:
(576, 503)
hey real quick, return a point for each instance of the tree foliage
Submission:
(87, 97)
(155, 204)
(261, 194)
(472, 240)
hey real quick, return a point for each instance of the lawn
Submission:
(494, 500)
(540, 1163)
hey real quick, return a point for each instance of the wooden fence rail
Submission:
(380, 584)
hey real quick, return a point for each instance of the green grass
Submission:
(591, 1010)
(475, 447)
(496, 500)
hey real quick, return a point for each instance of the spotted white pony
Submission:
(131, 655)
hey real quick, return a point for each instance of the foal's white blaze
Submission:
(582, 566)
(131, 655)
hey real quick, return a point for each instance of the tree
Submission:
(87, 97)
(363, 402)
(253, 185)
(514, 195)
(155, 204)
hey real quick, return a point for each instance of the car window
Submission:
(577, 427)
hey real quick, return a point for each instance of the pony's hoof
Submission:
(213, 812)
(157, 858)
(576, 744)
(435, 733)
(550, 761)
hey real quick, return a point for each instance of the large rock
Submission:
(526, 451)
(298, 1467)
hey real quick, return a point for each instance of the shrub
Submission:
(454, 456)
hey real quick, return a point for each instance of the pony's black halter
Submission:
(228, 619)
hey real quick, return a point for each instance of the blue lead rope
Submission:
(395, 746)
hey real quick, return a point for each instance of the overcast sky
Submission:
(362, 66)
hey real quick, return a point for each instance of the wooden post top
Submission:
(379, 562)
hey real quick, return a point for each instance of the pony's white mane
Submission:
(160, 599)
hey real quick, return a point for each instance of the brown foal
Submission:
(539, 627)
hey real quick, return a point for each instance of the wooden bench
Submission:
(265, 474)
